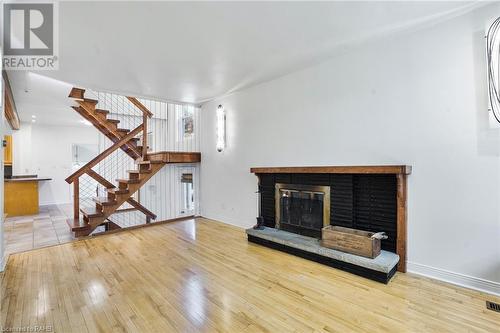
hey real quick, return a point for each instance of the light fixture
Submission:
(86, 122)
(33, 116)
(493, 67)
(33, 120)
(221, 128)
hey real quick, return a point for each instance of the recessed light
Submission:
(86, 122)
(33, 120)
(33, 116)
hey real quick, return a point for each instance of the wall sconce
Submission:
(221, 128)
(493, 66)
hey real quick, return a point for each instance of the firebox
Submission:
(302, 209)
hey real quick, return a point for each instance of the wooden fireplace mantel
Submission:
(363, 169)
(399, 171)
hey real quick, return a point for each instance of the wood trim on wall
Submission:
(368, 169)
(401, 221)
(9, 104)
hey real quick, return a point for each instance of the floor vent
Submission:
(493, 306)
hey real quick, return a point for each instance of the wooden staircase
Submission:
(147, 165)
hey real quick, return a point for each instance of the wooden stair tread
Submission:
(105, 112)
(123, 130)
(148, 162)
(91, 212)
(128, 181)
(90, 100)
(139, 171)
(77, 224)
(104, 201)
(77, 93)
(117, 191)
(114, 121)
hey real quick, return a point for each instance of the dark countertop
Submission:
(26, 178)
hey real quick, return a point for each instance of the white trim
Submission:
(53, 203)
(458, 279)
(230, 221)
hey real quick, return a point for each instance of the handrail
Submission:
(104, 154)
(140, 106)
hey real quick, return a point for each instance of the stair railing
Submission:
(86, 178)
(74, 178)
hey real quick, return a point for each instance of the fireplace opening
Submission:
(302, 209)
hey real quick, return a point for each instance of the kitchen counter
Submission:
(21, 194)
(26, 179)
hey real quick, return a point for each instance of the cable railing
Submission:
(95, 177)
(168, 127)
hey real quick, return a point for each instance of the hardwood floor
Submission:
(202, 275)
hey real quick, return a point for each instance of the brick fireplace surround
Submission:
(363, 197)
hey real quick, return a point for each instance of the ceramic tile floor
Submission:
(47, 228)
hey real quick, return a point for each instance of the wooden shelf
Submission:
(174, 157)
(368, 169)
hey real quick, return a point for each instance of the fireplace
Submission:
(302, 209)
(295, 203)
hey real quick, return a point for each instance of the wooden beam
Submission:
(103, 155)
(100, 179)
(141, 208)
(368, 169)
(140, 106)
(145, 137)
(401, 221)
(110, 225)
(10, 105)
(76, 199)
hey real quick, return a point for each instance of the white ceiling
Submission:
(193, 52)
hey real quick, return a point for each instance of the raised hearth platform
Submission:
(380, 269)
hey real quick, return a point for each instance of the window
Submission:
(185, 120)
(187, 193)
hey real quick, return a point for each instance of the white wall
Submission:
(45, 150)
(417, 99)
(162, 194)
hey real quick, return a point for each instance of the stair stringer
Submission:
(107, 211)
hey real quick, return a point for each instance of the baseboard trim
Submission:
(230, 221)
(54, 203)
(458, 279)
